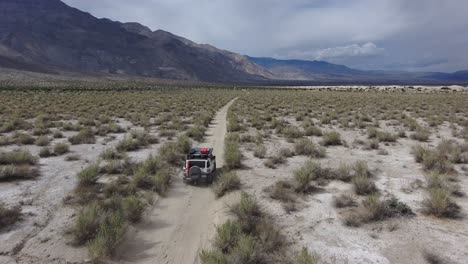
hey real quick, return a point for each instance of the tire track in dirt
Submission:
(181, 224)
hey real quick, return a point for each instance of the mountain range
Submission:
(48, 36)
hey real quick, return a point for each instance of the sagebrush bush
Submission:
(363, 185)
(343, 200)
(227, 236)
(170, 153)
(89, 175)
(111, 154)
(19, 172)
(260, 151)
(42, 141)
(248, 212)
(133, 208)
(421, 134)
(85, 136)
(304, 257)
(273, 161)
(227, 182)
(308, 148)
(87, 224)
(17, 158)
(9, 216)
(439, 203)
(110, 233)
(183, 144)
(232, 154)
(128, 144)
(45, 152)
(332, 138)
(197, 133)
(61, 148)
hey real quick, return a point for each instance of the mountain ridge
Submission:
(48, 36)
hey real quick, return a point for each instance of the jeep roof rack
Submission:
(200, 153)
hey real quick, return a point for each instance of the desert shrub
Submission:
(21, 172)
(455, 152)
(437, 160)
(61, 148)
(421, 134)
(377, 209)
(372, 144)
(89, 175)
(284, 191)
(304, 176)
(23, 139)
(85, 136)
(5, 141)
(133, 208)
(313, 131)
(111, 154)
(114, 167)
(344, 172)
(42, 141)
(72, 157)
(250, 238)
(227, 236)
(286, 152)
(110, 233)
(17, 158)
(45, 152)
(171, 153)
(343, 201)
(143, 179)
(14, 124)
(332, 138)
(162, 180)
(58, 134)
(110, 128)
(419, 152)
(381, 136)
(183, 144)
(362, 169)
(197, 133)
(232, 154)
(439, 203)
(246, 251)
(227, 182)
(363, 185)
(213, 256)
(273, 161)
(143, 138)
(292, 132)
(304, 257)
(248, 212)
(308, 148)
(260, 151)
(128, 144)
(9, 216)
(233, 122)
(87, 224)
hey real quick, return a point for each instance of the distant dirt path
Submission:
(181, 224)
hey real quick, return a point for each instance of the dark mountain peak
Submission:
(53, 35)
(137, 28)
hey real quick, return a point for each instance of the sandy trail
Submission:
(181, 224)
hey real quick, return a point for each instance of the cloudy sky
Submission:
(418, 35)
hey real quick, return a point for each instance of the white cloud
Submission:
(354, 50)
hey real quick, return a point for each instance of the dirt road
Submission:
(181, 224)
